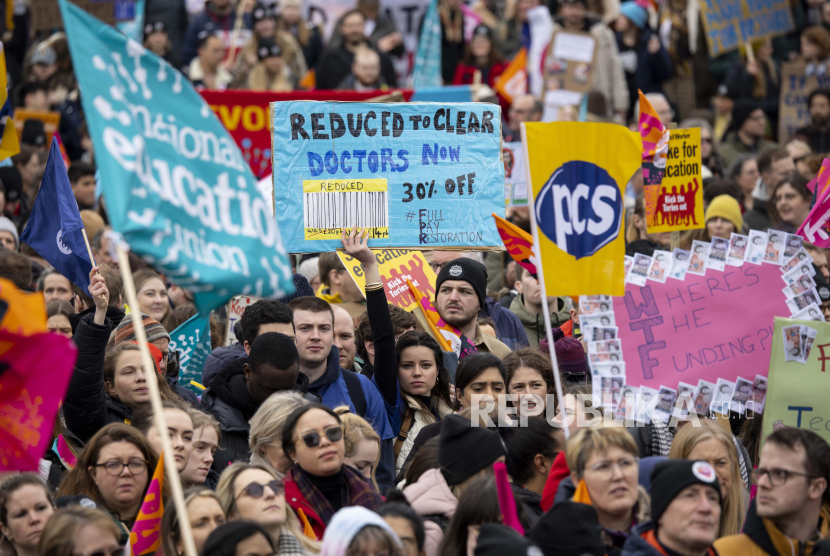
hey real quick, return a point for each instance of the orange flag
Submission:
(21, 313)
(145, 536)
(447, 336)
(512, 82)
(655, 136)
(581, 495)
(518, 242)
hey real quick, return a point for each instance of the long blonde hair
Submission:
(355, 429)
(735, 502)
(267, 422)
(225, 493)
(260, 80)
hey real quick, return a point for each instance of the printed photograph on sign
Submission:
(737, 249)
(756, 247)
(680, 263)
(775, 247)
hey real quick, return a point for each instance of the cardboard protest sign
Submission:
(417, 175)
(731, 23)
(46, 15)
(797, 394)
(515, 175)
(396, 267)
(51, 121)
(797, 82)
(577, 174)
(236, 306)
(175, 184)
(567, 71)
(705, 327)
(677, 202)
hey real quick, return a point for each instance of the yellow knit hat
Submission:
(726, 207)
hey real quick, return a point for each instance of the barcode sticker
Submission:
(331, 205)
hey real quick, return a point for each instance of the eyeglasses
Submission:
(115, 551)
(115, 468)
(605, 469)
(436, 267)
(256, 490)
(777, 477)
(312, 439)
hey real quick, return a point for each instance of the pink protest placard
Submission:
(704, 327)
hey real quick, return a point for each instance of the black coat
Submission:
(87, 407)
(336, 63)
(228, 401)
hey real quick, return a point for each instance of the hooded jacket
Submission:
(431, 496)
(87, 407)
(761, 537)
(534, 325)
(643, 542)
(228, 400)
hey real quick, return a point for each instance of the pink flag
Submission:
(34, 375)
(145, 536)
(506, 501)
(815, 228)
(821, 179)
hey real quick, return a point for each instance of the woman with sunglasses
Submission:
(114, 470)
(319, 484)
(76, 530)
(253, 493)
(409, 371)
(205, 513)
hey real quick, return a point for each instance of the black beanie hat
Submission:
(12, 182)
(741, 111)
(467, 270)
(464, 450)
(569, 529)
(669, 478)
(34, 133)
(224, 539)
(496, 539)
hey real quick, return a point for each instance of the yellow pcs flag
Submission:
(578, 173)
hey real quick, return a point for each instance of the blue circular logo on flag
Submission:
(580, 208)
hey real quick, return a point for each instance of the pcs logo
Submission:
(580, 208)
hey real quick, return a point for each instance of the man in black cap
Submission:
(495, 539)
(747, 136)
(686, 505)
(461, 288)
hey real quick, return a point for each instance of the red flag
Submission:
(34, 375)
(518, 242)
(145, 537)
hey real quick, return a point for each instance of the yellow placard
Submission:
(344, 185)
(396, 266)
(51, 121)
(677, 203)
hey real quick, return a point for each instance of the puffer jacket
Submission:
(643, 542)
(229, 402)
(87, 407)
(431, 496)
(761, 537)
(420, 419)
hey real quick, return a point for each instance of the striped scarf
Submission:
(354, 491)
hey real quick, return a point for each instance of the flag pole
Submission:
(155, 401)
(541, 275)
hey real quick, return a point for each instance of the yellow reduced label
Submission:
(344, 186)
(334, 233)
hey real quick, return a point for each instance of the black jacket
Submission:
(113, 314)
(87, 407)
(758, 218)
(531, 502)
(336, 63)
(228, 400)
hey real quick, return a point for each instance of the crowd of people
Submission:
(334, 424)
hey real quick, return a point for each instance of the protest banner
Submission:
(703, 327)
(396, 267)
(730, 24)
(46, 15)
(567, 72)
(676, 203)
(51, 121)
(797, 392)
(9, 144)
(175, 183)
(236, 307)
(192, 340)
(796, 85)
(245, 115)
(417, 175)
(577, 172)
(515, 175)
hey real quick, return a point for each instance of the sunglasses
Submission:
(256, 490)
(312, 439)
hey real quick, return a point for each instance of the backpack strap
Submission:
(406, 426)
(356, 393)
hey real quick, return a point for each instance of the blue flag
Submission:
(192, 340)
(55, 229)
(427, 72)
(175, 183)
